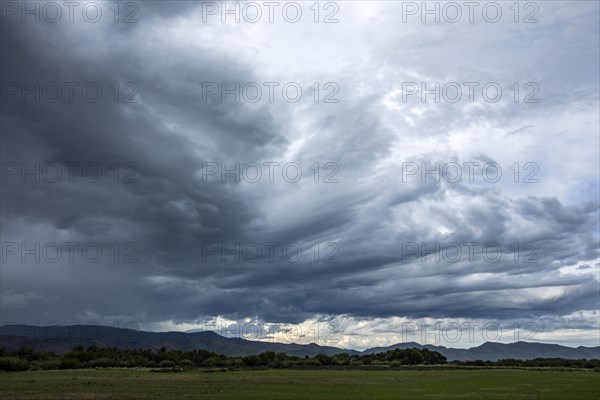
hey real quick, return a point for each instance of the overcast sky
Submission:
(141, 169)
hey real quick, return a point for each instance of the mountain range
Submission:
(61, 339)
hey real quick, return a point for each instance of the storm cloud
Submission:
(161, 173)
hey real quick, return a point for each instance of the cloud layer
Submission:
(519, 247)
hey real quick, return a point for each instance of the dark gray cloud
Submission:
(367, 224)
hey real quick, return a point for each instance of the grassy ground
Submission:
(292, 384)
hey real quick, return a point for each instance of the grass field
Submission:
(295, 384)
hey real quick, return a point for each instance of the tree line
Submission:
(176, 360)
(94, 357)
(536, 362)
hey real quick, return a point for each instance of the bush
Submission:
(167, 364)
(47, 364)
(103, 362)
(13, 364)
(69, 363)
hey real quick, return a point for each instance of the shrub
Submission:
(47, 364)
(13, 364)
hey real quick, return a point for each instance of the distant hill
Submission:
(61, 339)
(491, 351)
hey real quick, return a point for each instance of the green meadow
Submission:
(302, 384)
